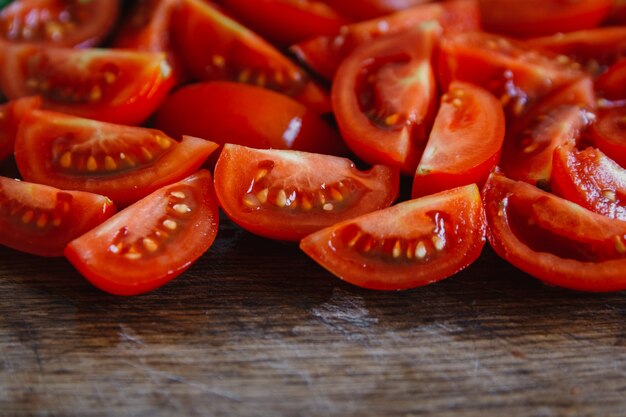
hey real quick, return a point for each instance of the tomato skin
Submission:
(151, 242)
(286, 195)
(370, 9)
(411, 244)
(42, 220)
(608, 134)
(553, 239)
(10, 116)
(467, 112)
(612, 84)
(246, 115)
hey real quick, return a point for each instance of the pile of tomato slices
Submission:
(132, 124)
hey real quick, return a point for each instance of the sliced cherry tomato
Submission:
(553, 239)
(414, 243)
(122, 162)
(151, 242)
(609, 134)
(324, 54)
(465, 143)
(110, 85)
(542, 17)
(79, 23)
(246, 115)
(612, 84)
(10, 117)
(591, 179)
(42, 220)
(287, 195)
(215, 47)
(384, 96)
(370, 9)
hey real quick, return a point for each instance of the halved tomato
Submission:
(122, 162)
(555, 240)
(287, 195)
(384, 97)
(151, 242)
(465, 143)
(80, 23)
(10, 116)
(412, 244)
(612, 84)
(42, 220)
(103, 84)
(609, 134)
(370, 9)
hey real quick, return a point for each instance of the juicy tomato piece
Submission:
(215, 47)
(103, 84)
(10, 116)
(287, 195)
(384, 97)
(475, 115)
(80, 23)
(542, 17)
(553, 239)
(246, 115)
(609, 134)
(324, 54)
(151, 242)
(412, 244)
(370, 9)
(591, 179)
(530, 142)
(612, 84)
(42, 220)
(122, 162)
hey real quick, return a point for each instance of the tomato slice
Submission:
(286, 195)
(324, 54)
(103, 84)
(553, 239)
(542, 17)
(370, 9)
(246, 115)
(414, 243)
(384, 97)
(42, 220)
(151, 242)
(122, 162)
(10, 116)
(58, 22)
(215, 47)
(475, 115)
(609, 134)
(612, 84)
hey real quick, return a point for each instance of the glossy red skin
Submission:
(143, 80)
(542, 17)
(226, 112)
(45, 138)
(368, 260)
(553, 239)
(618, 13)
(612, 84)
(370, 9)
(10, 117)
(89, 21)
(609, 134)
(334, 190)
(97, 256)
(324, 54)
(404, 85)
(42, 220)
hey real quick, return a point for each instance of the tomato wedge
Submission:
(58, 22)
(384, 97)
(370, 9)
(122, 162)
(10, 117)
(151, 242)
(609, 134)
(412, 244)
(42, 220)
(553, 239)
(465, 143)
(612, 84)
(103, 84)
(287, 195)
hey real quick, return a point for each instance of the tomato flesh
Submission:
(370, 9)
(10, 117)
(612, 84)
(609, 134)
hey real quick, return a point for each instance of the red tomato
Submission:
(542, 17)
(612, 84)
(370, 9)
(609, 134)
(246, 115)
(10, 117)
(553, 239)
(287, 195)
(151, 242)
(475, 115)
(216, 47)
(58, 22)
(618, 13)
(122, 162)
(42, 220)
(324, 54)
(110, 85)
(590, 179)
(384, 97)
(414, 243)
